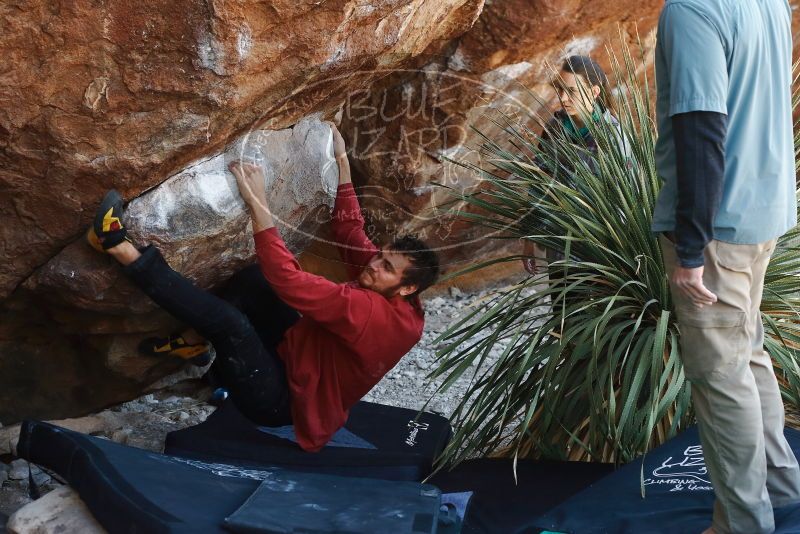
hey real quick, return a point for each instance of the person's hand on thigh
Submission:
(690, 282)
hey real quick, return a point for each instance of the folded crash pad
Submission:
(678, 496)
(501, 502)
(376, 442)
(131, 490)
(308, 502)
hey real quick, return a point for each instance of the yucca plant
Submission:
(588, 365)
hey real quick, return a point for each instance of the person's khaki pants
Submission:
(734, 390)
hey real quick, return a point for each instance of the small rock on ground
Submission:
(60, 510)
(19, 470)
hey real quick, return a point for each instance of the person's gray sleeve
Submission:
(700, 159)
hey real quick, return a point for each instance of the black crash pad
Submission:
(501, 503)
(678, 496)
(136, 491)
(376, 442)
(312, 503)
(131, 490)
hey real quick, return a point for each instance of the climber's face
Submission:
(384, 274)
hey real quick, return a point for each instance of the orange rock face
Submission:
(102, 93)
(97, 94)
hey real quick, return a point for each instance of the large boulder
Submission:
(109, 93)
(153, 99)
(78, 319)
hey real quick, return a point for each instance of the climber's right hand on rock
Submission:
(340, 153)
(251, 181)
(339, 147)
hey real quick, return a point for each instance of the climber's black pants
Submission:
(245, 327)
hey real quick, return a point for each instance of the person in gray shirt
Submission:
(725, 153)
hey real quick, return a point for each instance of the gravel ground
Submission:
(149, 418)
(407, 384)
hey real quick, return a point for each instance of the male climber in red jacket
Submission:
(292, 347)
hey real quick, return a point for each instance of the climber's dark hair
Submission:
(424, 268)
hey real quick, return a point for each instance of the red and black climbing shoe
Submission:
(176, 347)
(107, 230)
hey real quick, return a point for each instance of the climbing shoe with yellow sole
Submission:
(176, 347)
(107, 229)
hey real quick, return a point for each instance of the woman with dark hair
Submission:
(594, 91)
(585, 95)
